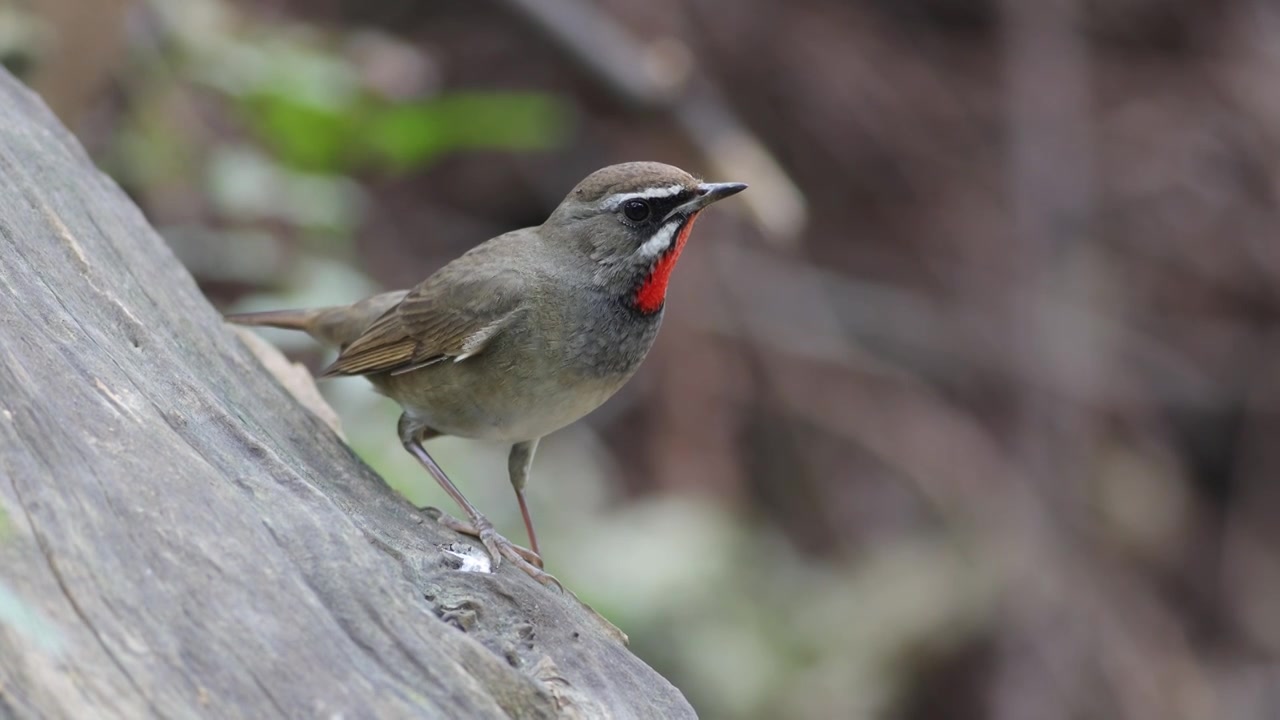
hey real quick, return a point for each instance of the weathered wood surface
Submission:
(180, 538)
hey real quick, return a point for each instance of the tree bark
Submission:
(180, 537)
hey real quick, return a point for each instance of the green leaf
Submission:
(403, 136)
(410, 135)
(304, 135)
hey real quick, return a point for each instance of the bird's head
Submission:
(632, 220)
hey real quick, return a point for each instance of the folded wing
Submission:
(451, 316)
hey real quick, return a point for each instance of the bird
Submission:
(523, 334)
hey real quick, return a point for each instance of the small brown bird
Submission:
(526, 332)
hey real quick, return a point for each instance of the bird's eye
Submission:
(636, 210)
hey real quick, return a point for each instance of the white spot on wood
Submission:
(473, 559)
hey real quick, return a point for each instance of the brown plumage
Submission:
(526, 332)
(450, 315)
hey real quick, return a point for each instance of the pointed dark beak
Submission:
(705, 194)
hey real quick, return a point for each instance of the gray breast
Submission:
(610, 339)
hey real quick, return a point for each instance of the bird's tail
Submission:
(287, 319)
(336, 326)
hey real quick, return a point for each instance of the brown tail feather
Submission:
(336, 326)
(287, 319)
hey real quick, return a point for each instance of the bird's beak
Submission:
(704, 195)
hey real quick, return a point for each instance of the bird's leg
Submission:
(518, 464)
(411, 436)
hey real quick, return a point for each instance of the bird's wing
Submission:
(452, 315)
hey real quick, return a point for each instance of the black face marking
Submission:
(647, 213)
(663, 206)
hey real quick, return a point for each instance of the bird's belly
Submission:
(455, 400)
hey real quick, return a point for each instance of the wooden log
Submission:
(179, 537)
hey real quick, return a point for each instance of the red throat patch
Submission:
(653, 291)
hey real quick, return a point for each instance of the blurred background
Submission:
(966, 409)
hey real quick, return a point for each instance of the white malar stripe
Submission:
(657, 193)
(661, 240)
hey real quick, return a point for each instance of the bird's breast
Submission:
(611, 341)
(527, 384)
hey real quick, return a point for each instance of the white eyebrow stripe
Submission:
(615, 201)
(661, 240)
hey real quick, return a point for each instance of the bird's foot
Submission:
(523, 558)
(499, 547)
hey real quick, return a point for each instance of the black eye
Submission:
(636, 210)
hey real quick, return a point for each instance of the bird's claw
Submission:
(523, 558)
(499, 547)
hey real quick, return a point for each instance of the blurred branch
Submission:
(1050, 180)
(659, 77)
(87, 37)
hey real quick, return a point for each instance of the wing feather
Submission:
(454, 314)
